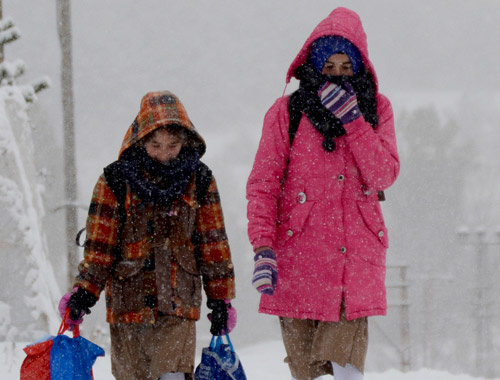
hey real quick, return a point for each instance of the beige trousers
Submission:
(312, 345)
(145, 352)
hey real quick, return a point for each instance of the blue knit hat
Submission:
(326, 46)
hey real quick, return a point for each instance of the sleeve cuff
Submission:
(356, 128)
(263, 243)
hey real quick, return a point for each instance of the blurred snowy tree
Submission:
(11, 71)
(426, 206)
(29, 292)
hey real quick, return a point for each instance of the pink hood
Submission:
(341, 22)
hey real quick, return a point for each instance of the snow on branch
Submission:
(6, 23)
(9, 35)
(41, 84)
(29, 91)
(9, 71)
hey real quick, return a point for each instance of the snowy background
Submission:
(437, 60)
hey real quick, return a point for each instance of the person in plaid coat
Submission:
(155, 237)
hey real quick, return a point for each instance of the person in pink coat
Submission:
(315, 221)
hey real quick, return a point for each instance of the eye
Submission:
(347, 68)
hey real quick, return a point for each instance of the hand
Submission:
(63, 306)
(341, 101)
(223, 316)
(79, 301)
(265, 274)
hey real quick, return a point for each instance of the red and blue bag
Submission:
(219, 362)
(61, 357)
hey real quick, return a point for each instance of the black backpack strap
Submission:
(203, 180)
(295, 115)
(116, 181)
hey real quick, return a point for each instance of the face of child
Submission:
(163, 146)
(338, 64)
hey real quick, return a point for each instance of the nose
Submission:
(337, 70)
(161, 155)
(164, 156)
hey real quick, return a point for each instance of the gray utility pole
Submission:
(70, 189)
(399, 283)
(485, 278)
(1, 18)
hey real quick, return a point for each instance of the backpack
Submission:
(295, 116)
(119, 189)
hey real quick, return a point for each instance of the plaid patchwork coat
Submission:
(168, 253)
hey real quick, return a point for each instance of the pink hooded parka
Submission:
(319, 210)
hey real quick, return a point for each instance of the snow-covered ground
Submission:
(260, 361)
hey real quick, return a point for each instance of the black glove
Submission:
(80, 302)
(218, 316)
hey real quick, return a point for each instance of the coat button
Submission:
(343, 249)
(289, 233)
(341, 177)
(301, 197)
(381, 234)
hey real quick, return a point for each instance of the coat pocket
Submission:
(372, 217)
(188, 280)
(296, 204)
(127, 287)
(294, 223)
(184, 255)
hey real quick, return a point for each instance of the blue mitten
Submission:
(341, 101)
(265, 274)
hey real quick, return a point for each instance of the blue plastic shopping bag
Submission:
(219, 362)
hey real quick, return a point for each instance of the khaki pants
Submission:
(312, 345)
(145, 352)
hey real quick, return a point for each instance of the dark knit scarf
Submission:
(306, 100)
(153, 181)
